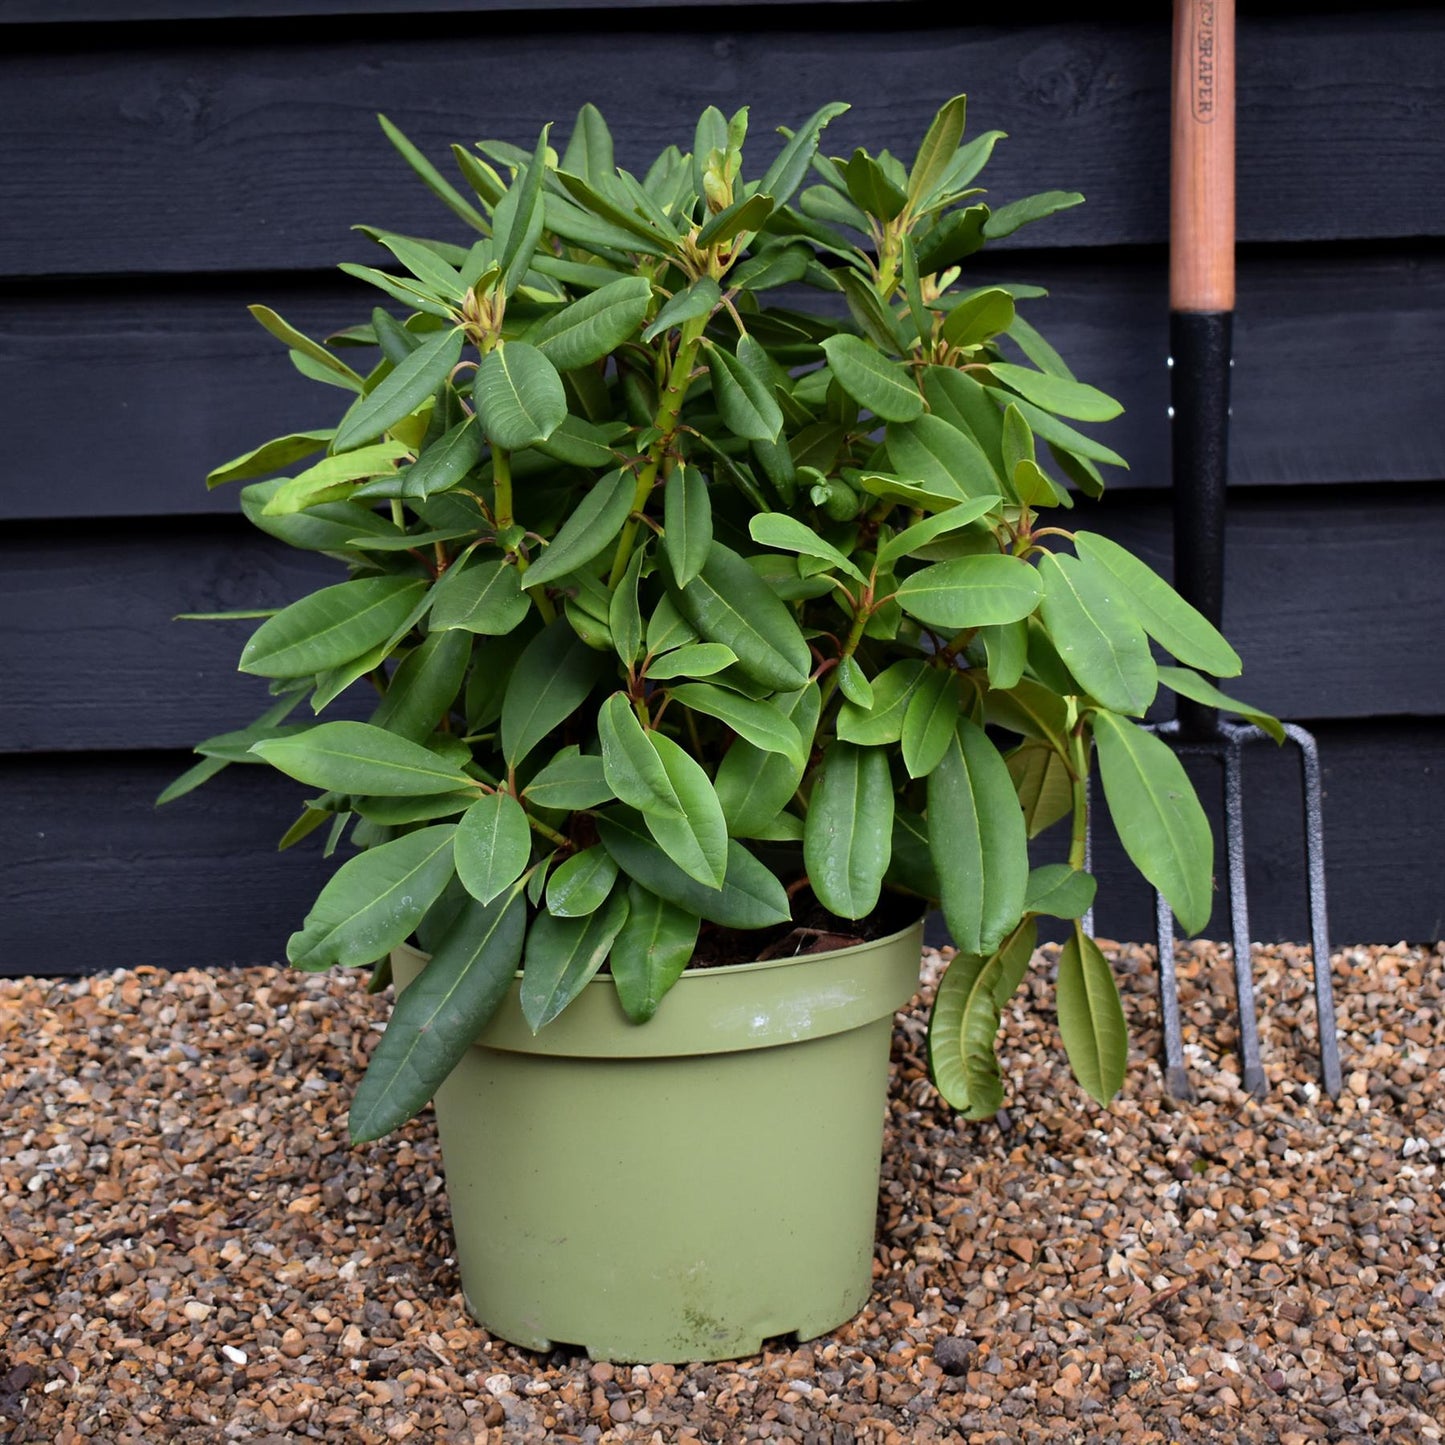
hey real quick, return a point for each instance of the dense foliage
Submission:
(674, 593)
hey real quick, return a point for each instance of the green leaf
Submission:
(552, 677)
(283, 331)
(955, 236)
(374, 900)
(787, 534)
(1060, 891)
(590, 528)
(759, 722)
(871, 188)
(442, 280)
(693, 659)
(331, 627)
(1007, 219)
(191, 779)
(407, 292)
(687, 523)
(1162, 612)
(751, 896)
(438, 1017)
(930, 720)
(695, 300)
(624, 613)
(595, 325)
(562, 955)
(976, 833)
(920, 534)
(697, 839)
(589, 151)
(753, 785)
(882, 722)
(874, 319)
(729, 603)
(1043, 784)
(848, 833)
(1100, 641)
(884, 387)
(650, 953)
(432, 179)
(332, 478)
(446, 461)
(785, 175)
(971, 592)
(408, 386)
(1057, 393)
(936, 153)
(494, 845)
(617, 219)
(979, 318)
(580, 885)
(270, 457)
(1157, 816)
(1032, 710)
(422, 690)
(744, 402)
(632, 767)
(1063, 437)
(481, 597)
(853, 683)
(1091, 1018)
(1007, 648)
(355, 757)
(518, 218)
(519, 397)
(747, 214)
(573, 779)
(913, 292)
(1191, 685)
(944, 459)
(668, 628)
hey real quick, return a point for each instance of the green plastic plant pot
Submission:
(683, 1189)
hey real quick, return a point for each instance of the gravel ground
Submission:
(190, 1251)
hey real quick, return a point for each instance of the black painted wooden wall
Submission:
(164, 162)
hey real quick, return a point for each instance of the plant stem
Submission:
(850, 643)
(1078, 840)
(502, 487)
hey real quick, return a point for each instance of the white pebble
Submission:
(498, 1384)
(1411, 1147)
(235, 1356)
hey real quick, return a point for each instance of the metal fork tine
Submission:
(1176, 1075)
(1253, 1071)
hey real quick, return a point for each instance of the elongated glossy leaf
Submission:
(589, 151)
(618, 218)
(920, 534)
(630, 764)
(786, 173)
(374, 900)
(1060, 891)
(411, 383)
(693, 659)
(751, 896)
(446, 462)
(1057, 393)
(624, 613)
(330, 479)
(519, 396)
(971, 592)
(979, 318)
(406, 291)
(696, 839)
(1007, 650)
(442, 280)
(437, 1018)
(283, 331)
(594, 325)
(563, 954)
(687, 523)
(755, 786)
(1068, 441)
(518, 218)
(1041, 779)
(760, 723)
(1031, 710)
(481, 597)
(748, 213)
(929, 721)
(942, 458)
(1097, 636)
(1191, 685)
(270, 457)
(693, 301)
(1007, 219)
(745, 403)
(590, 528)
(882, 723)
(355, 757)
(976, 833)
(884, 387)
(1091, 1018)
(853, 683)
(331, 627)
(552, 677)
(874, 319)
(582, 444)
(788, 534)
(937, 151)
(729, 603)
(1157, 816)
(651, 951)
(848, 833)
(1162, 612)
(580, 885)
(433, 179)
(573, 779)
(494, 845)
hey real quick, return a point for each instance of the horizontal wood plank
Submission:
(97, 878)
(190, 380)
(244, 147)
(1328, 620)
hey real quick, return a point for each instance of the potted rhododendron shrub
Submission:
(715, 599)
